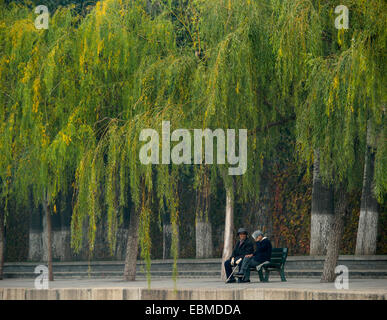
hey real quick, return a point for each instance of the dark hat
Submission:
(242, 230)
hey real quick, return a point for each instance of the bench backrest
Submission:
(278, 256)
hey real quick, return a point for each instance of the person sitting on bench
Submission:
(242, 248)
(261, 255)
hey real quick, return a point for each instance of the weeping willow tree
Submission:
(128, 72)
(9, 113)
(241, 90)
(47, 135)
(336, 78)
(16, 49)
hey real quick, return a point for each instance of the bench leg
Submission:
(260, 274)
(267, 273)
(282, 274)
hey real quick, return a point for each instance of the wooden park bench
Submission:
(277, 263)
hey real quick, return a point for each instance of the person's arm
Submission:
(233, 254)
(255, 252)
(250, 249)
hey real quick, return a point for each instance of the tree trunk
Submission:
(203, 232)
(322, 211)
(263, 219)
(46, 209)
(203, 229)
(228, 227)
(2, 240)
(167, 235)
(368, 220)
(132, 247)
(335, 236)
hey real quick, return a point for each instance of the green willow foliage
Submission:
(74, 98)
(338, 81)
(38, 156)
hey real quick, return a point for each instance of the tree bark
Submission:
(228, 228)
(261, 206)
(167, 234)
(335, 236)
(167, 240)
(132, 247)
(322, 211)
(203, 229)
(204, 246)
(2, 246)
(167, 237)
(368, 220)
(46, 209)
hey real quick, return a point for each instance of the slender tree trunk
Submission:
(167, 237)
(261, 206)
(203, 229)
(228, 228)
(322, 211)
(368, 220)
(132, 246)
(204, 246)
(2, 241)
(335, 236)
(46, 209)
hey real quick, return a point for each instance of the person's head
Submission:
(257, 235)
(242, 233)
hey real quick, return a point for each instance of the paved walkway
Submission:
(196, 283)
(192, 289)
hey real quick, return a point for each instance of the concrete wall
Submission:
(186, 294)
(61, 240)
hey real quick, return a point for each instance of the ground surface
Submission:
(368, 285)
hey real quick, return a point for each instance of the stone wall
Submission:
(186, 294)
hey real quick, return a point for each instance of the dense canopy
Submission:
(75, 97)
